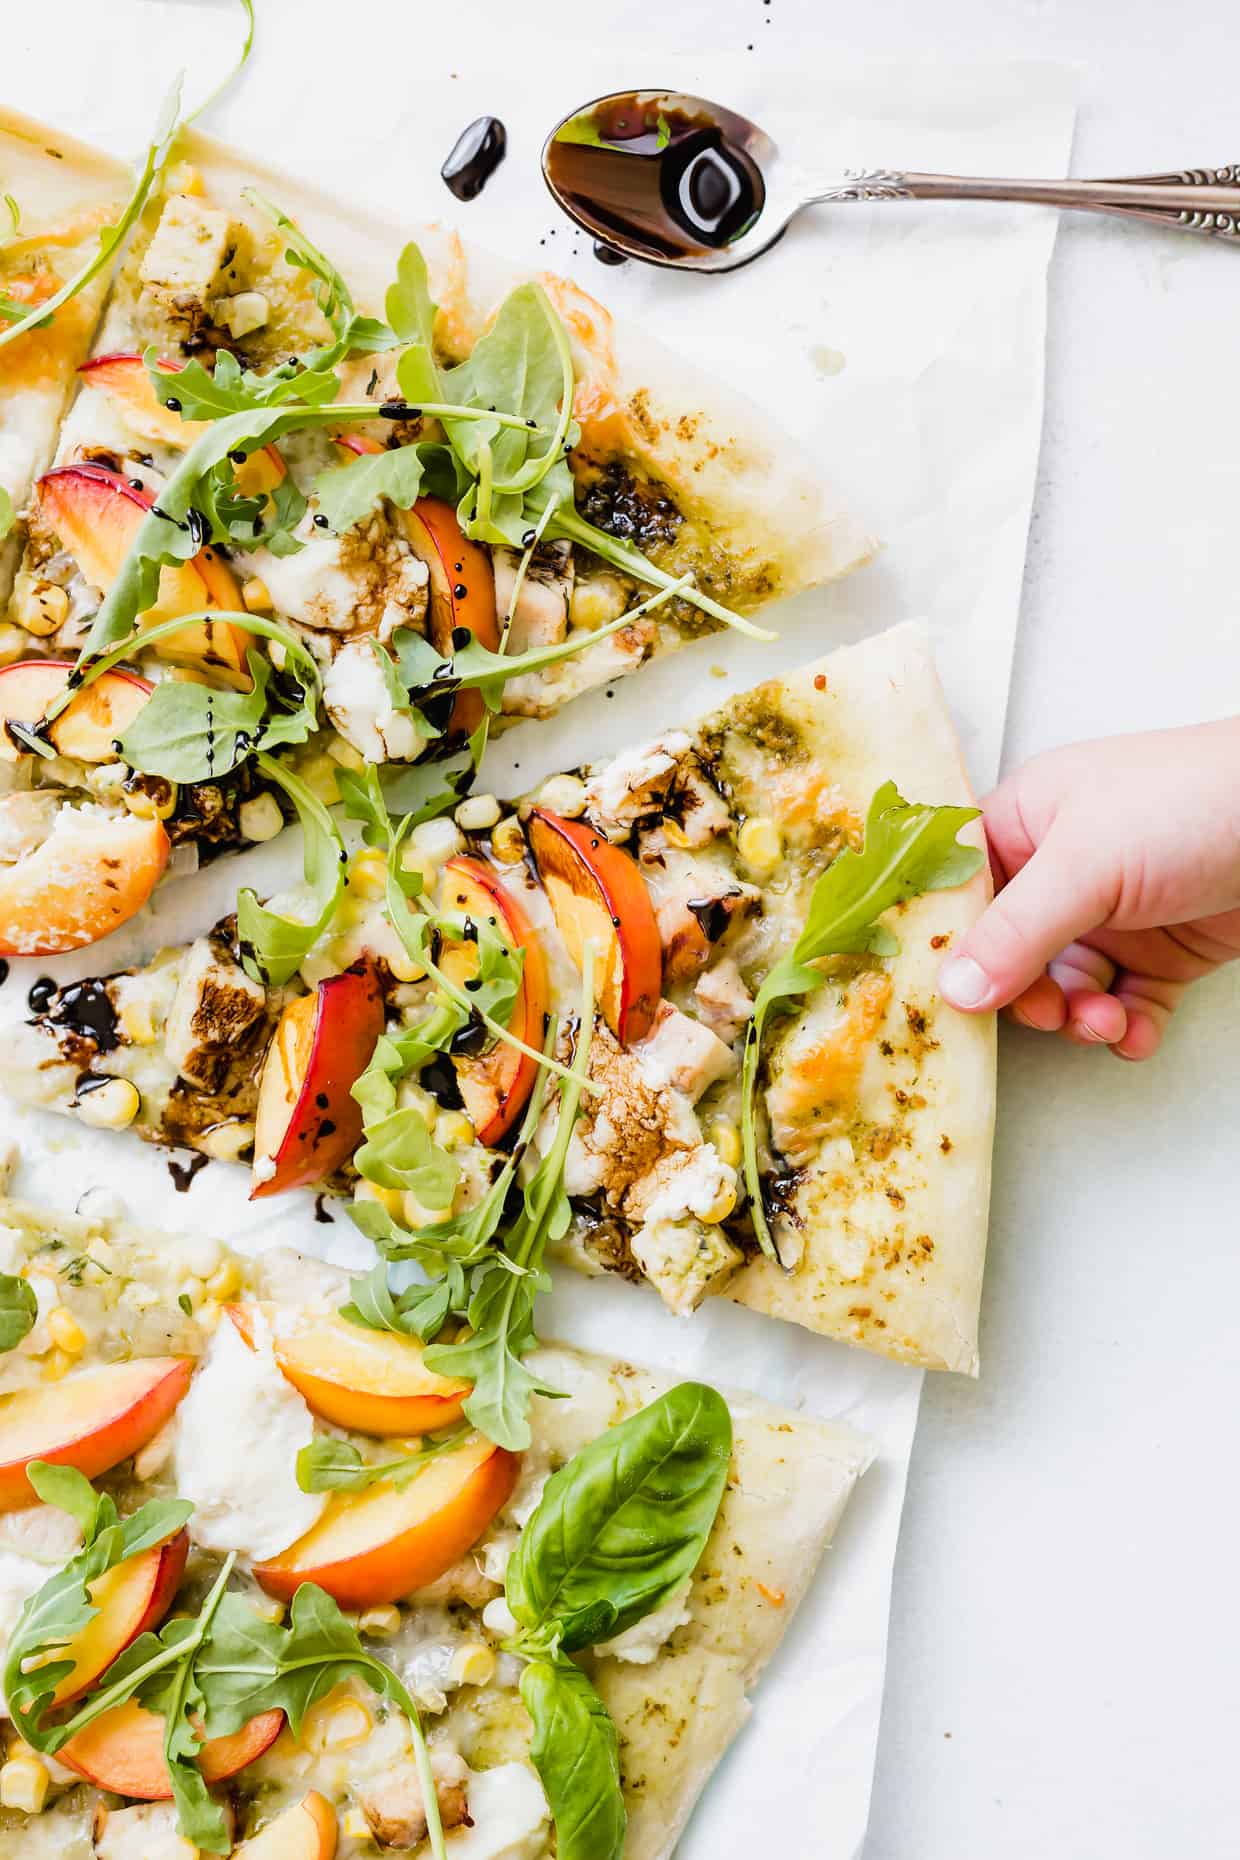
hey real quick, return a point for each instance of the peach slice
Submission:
(599, 897)
(96, 513)
(497, 1085)
(88, 728)
(89, 876)
(123, 375)
(373, 1546)
(123, 1750)
(307, 1831)
(370, 1381)
(462, 592)
(131, 1598)
(307, 1123)
(91, 1420)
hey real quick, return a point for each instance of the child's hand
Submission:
(1117, 868)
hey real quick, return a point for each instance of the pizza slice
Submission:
(270, 1590)
(731, 932)
(316, 467)
(56, 199)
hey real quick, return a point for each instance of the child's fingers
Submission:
(1095, 1019)
(1149, 1003)
(1042, 1006)
(1051, 901)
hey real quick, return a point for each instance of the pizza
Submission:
(57, 196)
(269, 1588)
(315, 469)
(738, 924)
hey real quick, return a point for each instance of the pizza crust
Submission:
(894, 1243)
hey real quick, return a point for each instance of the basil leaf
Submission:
(909, 848)
(19, 1307)
(347, 493)
(274, 947)
(625, 1522)
(576, 1751)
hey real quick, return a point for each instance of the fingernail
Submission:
(964, 982)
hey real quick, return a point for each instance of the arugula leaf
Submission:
(176, 1695)
(567, 525)
(249, 1666)
(272, 946)
(8, 516)
(522, 363)
(189, 733)
(332, 1465)
(909, 848)
(211, 394)
(623, 1524)
(411, 313)
(576, 1751)
(58, 1612)
(355, 334)
(347, 493)
(19, 1307)
(399, 1152)
(414, 1312)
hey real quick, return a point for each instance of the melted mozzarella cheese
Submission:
(646, 1639)
(239, 1431)
(509, 1814)
(359, 703)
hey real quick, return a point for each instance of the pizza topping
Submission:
(215, 1010)
(395, 1808)
(239, 1432)
(683, 1053)
(642, 1643)
(540, 616)
(357, 693)
(685, 1261)
(182, 264)
(366, 579)
(722, 1000)
(816, 1069)
(634, 785)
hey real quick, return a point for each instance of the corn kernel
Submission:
(257, 596)
(472, 1666)
(726, 1138)
(266, 1607)
(368, 874)
(508, 841)
(390, 1198)
(355, 1825)
(184, 178)
(225, 1142)
(760, 843)
(41, 607)
(110, 1106)
(564, 794)
(260, 818)
(65, 1331)
(319, 775)
(23, 1785)
(675, 834)
(379, 1623)
(721, 1206)
(56, 1365)
(151, 798)
(209, 1319)
(415, 1213)
(402, 964)
(225, 1281)
(344, 754)
(137, 1023)
(243, 314)
(453, 1130)
(477, 813)
(342, 1726)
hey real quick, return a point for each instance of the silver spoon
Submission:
(680, 181)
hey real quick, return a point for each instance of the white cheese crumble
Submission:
(509, 1814)
(359, 703)
(239, 1431)
(683, 1053)
(646, 1639)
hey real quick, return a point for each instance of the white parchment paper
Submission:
(903, 346)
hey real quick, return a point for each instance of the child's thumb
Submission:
(1052, 900)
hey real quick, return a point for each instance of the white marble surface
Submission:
(1065, 1635)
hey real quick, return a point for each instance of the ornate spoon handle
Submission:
(1202, 200)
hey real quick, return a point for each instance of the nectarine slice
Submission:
(123, 376)
(130, 1599)
(370, 1381)
(496, 1085)
(307, 1831)
(88, 727)
(599, 897)
(89, 876)
(462, 592)
(123, 1750)
(374, 1546)
(307, 1122)
(96, 513)
(91, 1420)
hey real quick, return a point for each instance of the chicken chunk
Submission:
(215, 1006)
(683, 1053)
(182, 264)
(816, 1070)
(359, 702)
(363, 580)
(394, 1806)
(145, 1831)
(625, 1129)
(634, 785)
(684, 1261)
(697, 898)
(722, 999)
(540, 617)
